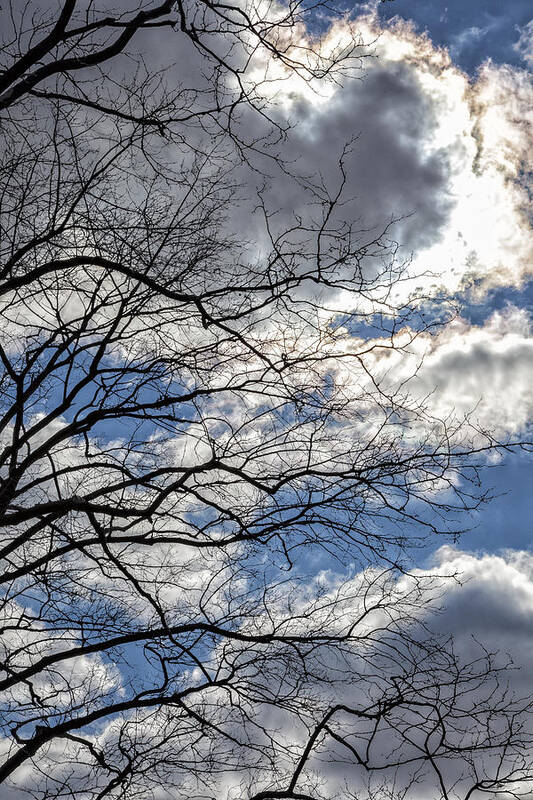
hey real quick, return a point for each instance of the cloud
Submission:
(524, 44)
(483, 371)
(449, 154)
(490, 601)
(444, 151)
(466, 38)
(493, 604)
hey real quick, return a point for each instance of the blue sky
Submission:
(508, 520)
(438, 118)
(472, 30)
(475, 31)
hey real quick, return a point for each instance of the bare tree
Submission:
(184, 424)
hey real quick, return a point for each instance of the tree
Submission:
(185, 422)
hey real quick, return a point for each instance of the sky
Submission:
(441, 119)
(473, 31)
(444, 119)
(476, 33)
(443, 125)
(440, 124)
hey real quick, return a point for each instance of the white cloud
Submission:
(524, 44)
(493, 604)
(482, 371)
(451, 151)
(431, 142)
